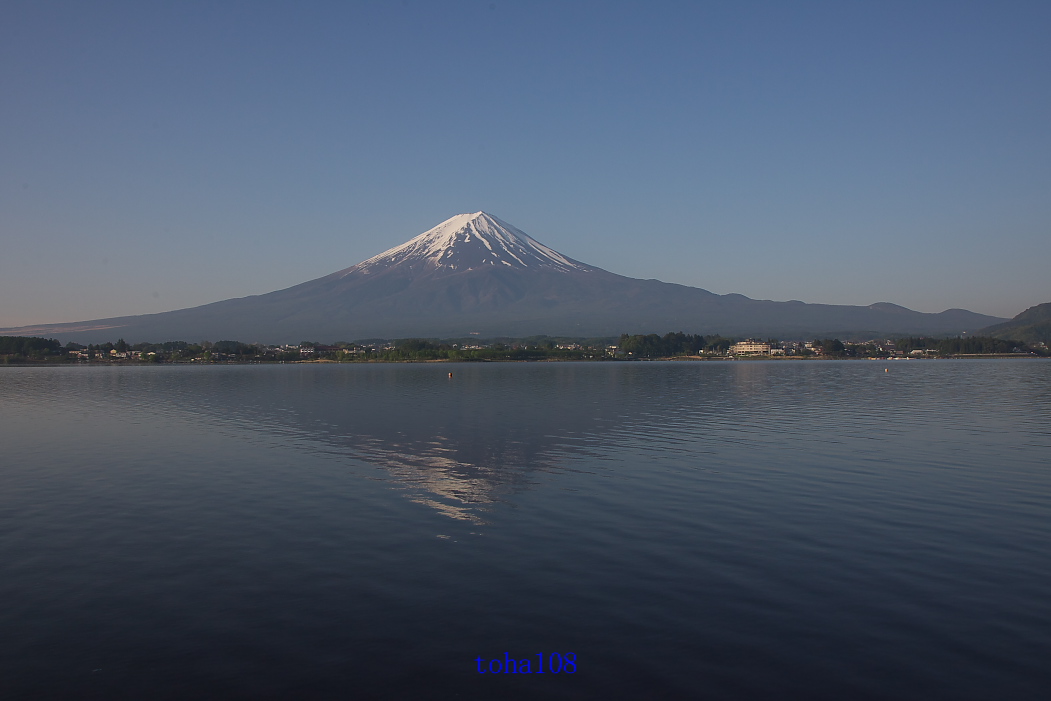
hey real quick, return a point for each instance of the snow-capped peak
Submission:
(469, 241)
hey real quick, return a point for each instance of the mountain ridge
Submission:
(474, 273)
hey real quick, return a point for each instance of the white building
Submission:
(750, 347)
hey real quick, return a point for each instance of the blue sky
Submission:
(155, 156)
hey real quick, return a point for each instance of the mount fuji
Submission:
(474, 273)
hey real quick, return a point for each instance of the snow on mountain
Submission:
(468, 242)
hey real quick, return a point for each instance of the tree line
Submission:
(670, 345)
(978, 345)
(29, 347)
(408, 349)
(20, 349)
(940, 347)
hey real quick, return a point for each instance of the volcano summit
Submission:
(469, 241)
(474, 273)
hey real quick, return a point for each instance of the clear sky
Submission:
(160, 155)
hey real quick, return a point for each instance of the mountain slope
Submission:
(476, 273)
(1032, 325)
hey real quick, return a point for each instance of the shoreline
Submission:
(676, 359)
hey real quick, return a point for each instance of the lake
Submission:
(661, 530)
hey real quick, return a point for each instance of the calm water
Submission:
(752, 530)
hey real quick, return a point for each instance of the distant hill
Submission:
(1031, 326)
(475, 274)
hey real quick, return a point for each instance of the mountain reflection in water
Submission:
(457, 444)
